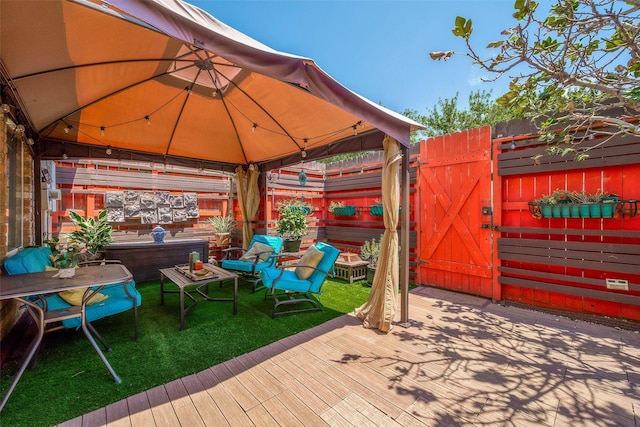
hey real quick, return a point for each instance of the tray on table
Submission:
(209, 272)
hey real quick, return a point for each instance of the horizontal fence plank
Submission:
(618, 258)
(571, 290)
(137, 180)
(546, 276)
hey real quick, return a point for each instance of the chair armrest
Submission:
(227, 252)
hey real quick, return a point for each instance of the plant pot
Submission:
(585, 210)
(565, 209)
(376, 210)
(371, 272)
(608, 209)
(223, 239)
(344, 211)
(556, 211)
(291, 245)
(574, 210)
(595, 210)
(547, 211)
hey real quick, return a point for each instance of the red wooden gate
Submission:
(455, 244)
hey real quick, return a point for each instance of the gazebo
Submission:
(164, 81)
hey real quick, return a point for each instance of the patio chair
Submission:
(293, 285)
(249, 263)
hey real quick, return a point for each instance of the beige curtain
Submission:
(248, 198)
(381, 306)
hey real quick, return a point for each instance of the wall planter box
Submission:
(344, 211)
(376, 210)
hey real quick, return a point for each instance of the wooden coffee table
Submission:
(196, 288)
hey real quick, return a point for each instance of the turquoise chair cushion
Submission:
(117, 302)
(244, 266)
(289, 280)
(29, 260)
(248, 267)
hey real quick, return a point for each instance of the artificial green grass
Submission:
(70, 379)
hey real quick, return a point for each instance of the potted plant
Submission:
(292, 223)
(370, 252)
(93, 233)
(340, 209)
(222, 228)
(546, 203)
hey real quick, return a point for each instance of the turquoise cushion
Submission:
(244, 266)
(288, 282)
(117, 302)
(29, 260)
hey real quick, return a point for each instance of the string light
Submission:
(513, 144)
(5, 108)
(102, 130)
(68, 128)
(64, 156)
(108, 150)
(19, 129)
(253, 128)
(148, 119)
(30, 141)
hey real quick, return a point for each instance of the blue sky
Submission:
(379, 49)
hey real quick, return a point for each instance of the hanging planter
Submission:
(376, 210)
(344, 211)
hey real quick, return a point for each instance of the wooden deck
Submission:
(464, 361)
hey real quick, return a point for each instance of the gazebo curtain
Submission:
(380, 308)
(248, 198)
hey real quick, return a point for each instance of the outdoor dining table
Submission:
(21, 287)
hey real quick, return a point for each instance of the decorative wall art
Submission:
(152, 207)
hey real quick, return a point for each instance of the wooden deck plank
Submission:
(118, 414)
(261, 418)
(95, 418)
(205, 405)
(161, 408)
(240, 393)
(233, 413)
(140, 413)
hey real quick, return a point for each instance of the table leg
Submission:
(235, 295)
(38, 317)
(85, 329)
(161, 289)
(181, 308)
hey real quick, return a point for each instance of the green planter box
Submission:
(344, 211)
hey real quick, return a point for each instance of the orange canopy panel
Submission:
(165, 78)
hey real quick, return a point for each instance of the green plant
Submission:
(292, 221)
(334, 205)
(94, 233)
(547, 199)
(65, 255)
(370, 251)
(578, 197)
(222, 224)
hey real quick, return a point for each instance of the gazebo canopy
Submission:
(163, 80)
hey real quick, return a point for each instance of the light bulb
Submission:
(108, 151)
(513, 145)
(20, 129)
(5, 108)
(30, 141)
(101, 130)
(303, 154)
(64, 156)
(355, 130)
(148, 119)
(253, 128)
(67, 129)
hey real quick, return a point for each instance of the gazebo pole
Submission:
(404, 238)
